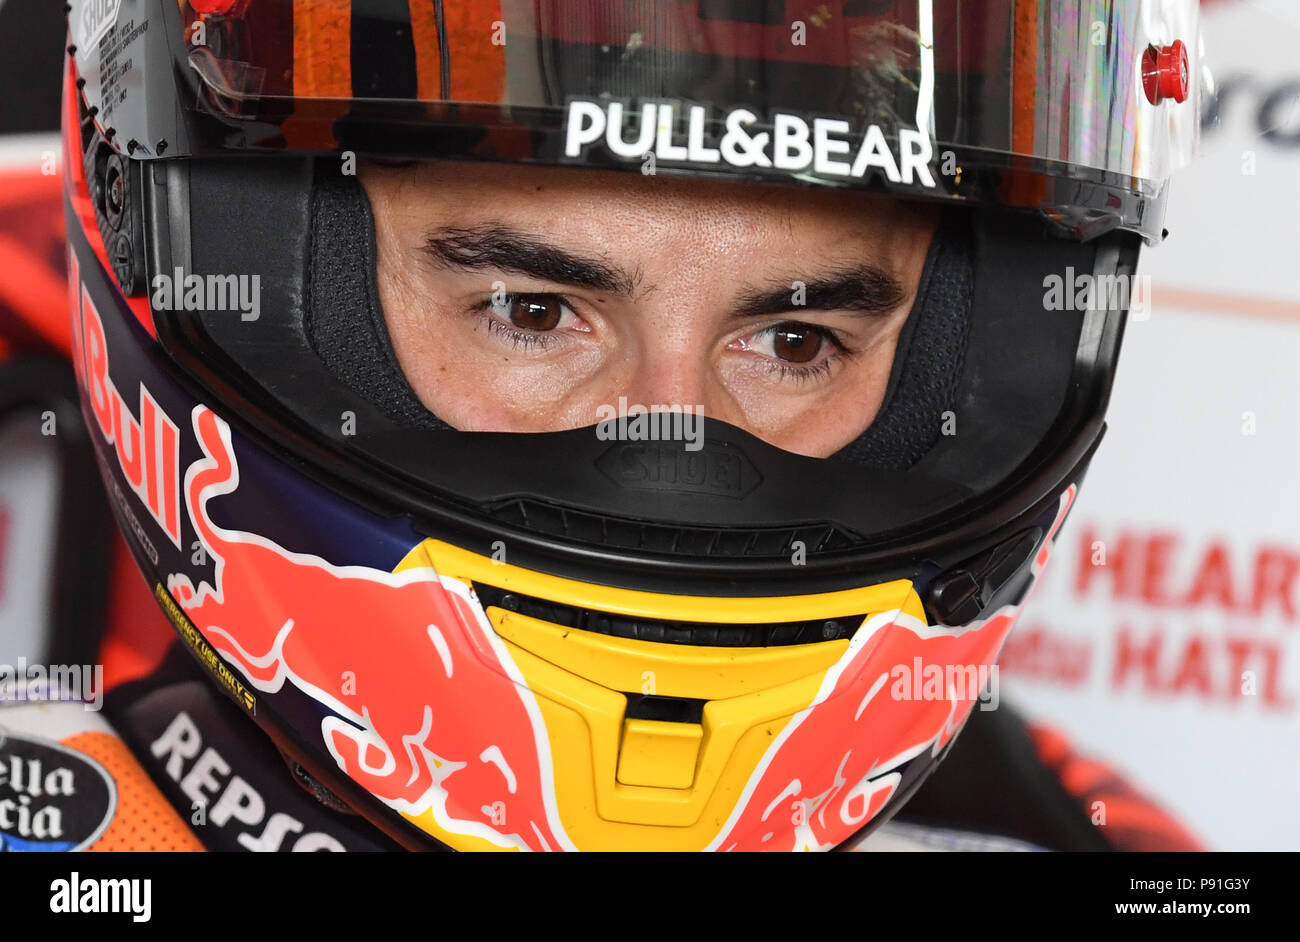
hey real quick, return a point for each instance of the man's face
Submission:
(523, 299)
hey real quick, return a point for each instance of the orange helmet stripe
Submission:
(1024, 76)
(428, 57)
(322, 46)
(478, 62)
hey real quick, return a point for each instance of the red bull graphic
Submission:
(410, 724)
(812, 798)
(405, 660)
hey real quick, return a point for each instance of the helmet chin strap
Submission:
(359, 352)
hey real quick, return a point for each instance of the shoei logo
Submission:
(720, 470)
(826, 147)
(95, 19)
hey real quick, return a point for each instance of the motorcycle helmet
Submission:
(559, 640)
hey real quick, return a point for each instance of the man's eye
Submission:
(793, 342)
(797, 343)
(539, 312)
(795, 351)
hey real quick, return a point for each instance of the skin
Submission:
(666, 291)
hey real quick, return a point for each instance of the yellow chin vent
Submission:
(647, 782)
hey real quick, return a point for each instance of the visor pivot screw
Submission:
(114, 194)
(831, 630)
(122, 263)
(1166, 73)
(509, 603)
(162, 147)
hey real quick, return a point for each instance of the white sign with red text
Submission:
(1165, 636)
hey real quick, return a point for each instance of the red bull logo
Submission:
(806, 796)
(428, 713)
(147, 448)
(431, 715)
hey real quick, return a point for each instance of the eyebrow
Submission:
(864, 289)
(496, 246)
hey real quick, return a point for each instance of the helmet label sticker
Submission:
(824, 147)
(51, 797)
(203, 651)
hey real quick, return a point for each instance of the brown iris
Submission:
(796, 342)
(535, 312)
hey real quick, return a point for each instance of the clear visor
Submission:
(755, 86)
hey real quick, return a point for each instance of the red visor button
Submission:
(219, 7)
(1165, 72)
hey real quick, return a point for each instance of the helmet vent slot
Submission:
(728, 542)
(710, 634)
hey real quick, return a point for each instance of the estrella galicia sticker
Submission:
(52, 798)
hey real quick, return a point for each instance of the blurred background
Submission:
(1165, 635)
